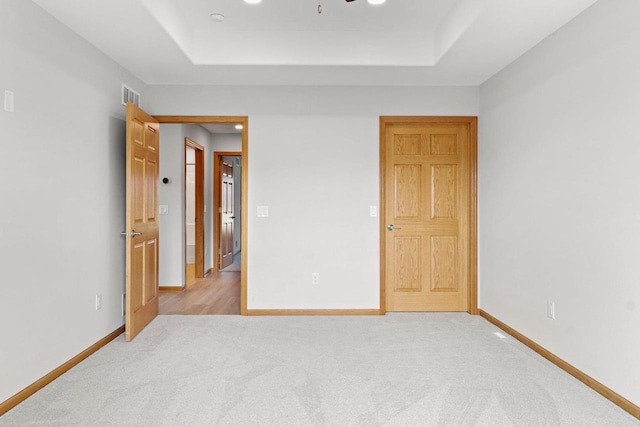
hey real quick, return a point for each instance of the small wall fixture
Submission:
(165, 180)
(217, 17)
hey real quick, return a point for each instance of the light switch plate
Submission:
(263, 211)
(8, 101)
(373, 211)
(163, 209)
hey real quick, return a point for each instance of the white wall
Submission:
(313, 159)
(172, 226)
(62, 157)
(559, 200)
(172, 252)
(226, 141)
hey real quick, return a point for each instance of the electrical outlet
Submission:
(98, 301)
(551, 309)
(315, 278)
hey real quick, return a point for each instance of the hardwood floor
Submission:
(219, 293)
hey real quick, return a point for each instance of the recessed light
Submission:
(239, 127)
(253, 1)
(217, 17)
(376, 2)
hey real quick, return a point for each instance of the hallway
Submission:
(219, 293)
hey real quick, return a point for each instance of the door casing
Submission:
(244, 121)
(472, 122)
(199, 205)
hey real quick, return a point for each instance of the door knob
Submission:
(134, 233)
(392, 227)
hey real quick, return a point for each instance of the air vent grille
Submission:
(130, 95)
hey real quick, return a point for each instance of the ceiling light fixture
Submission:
(239, 127)
(253, 1)
(372, 2)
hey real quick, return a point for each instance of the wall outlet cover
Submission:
(8, 101)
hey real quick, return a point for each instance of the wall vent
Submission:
(130, 95)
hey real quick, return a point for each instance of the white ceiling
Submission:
(286, 42)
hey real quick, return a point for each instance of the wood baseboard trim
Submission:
(23, 395)
(175, 289)
(209, 271)
(570, 369)
(304, 312)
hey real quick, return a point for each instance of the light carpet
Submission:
(402, 369)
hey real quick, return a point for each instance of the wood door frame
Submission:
(472, 123)
(199, 205)
(244, 121)
(217, 200)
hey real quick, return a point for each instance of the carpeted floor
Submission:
(422, 369)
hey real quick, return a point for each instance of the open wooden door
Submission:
(227, 216)
(142, 220)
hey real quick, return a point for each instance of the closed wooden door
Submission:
(141, 220)
(427, 213)
(227, 216)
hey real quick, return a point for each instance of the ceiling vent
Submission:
(130, 95)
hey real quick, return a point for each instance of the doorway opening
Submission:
(216, 292)
(228, 212)
(194, 211)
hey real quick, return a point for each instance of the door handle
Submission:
(134, 233)
(392, 227)
(232, 217)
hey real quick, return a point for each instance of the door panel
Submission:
(408, 268)
(227, 214)
(141, 220)
(426, 176)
